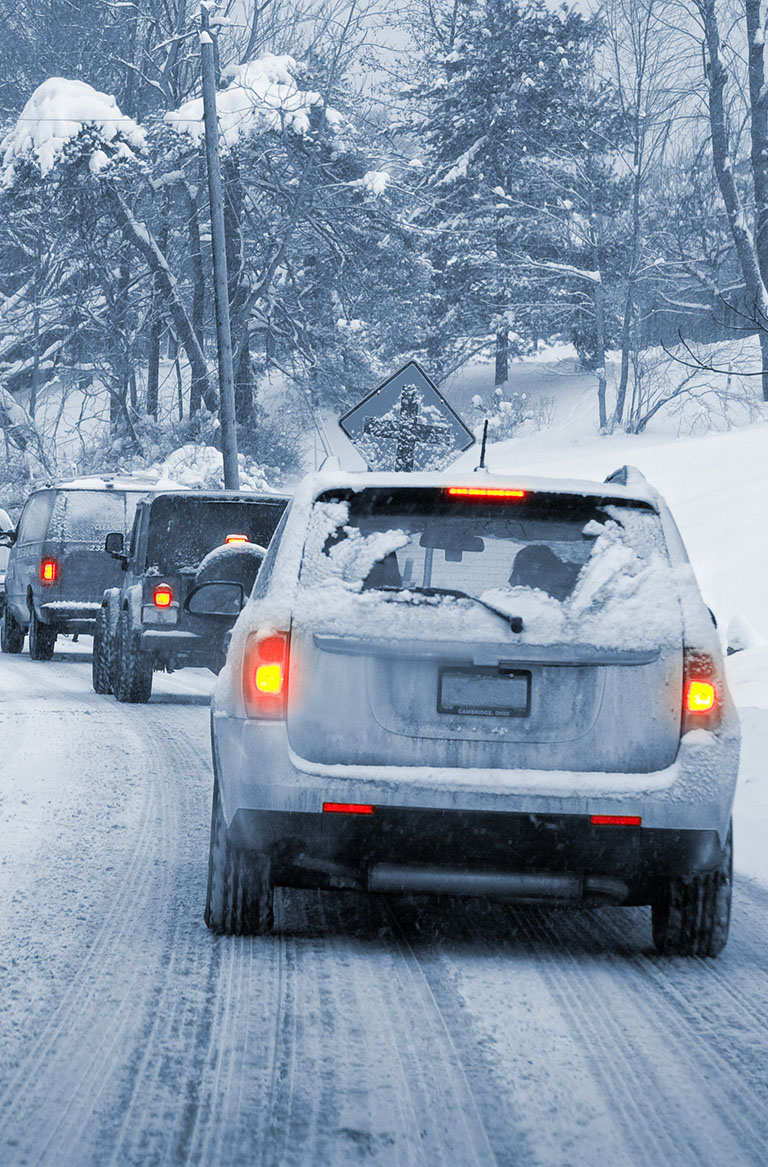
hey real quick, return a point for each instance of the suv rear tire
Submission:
(101, 667)
(11, 632)
(240, 896)
(133, 668)
(42, 638)
(691, 917)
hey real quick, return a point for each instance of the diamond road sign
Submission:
(406, 424)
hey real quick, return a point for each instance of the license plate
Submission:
(484, 692)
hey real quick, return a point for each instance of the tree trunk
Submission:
(747, 248)
(155, 335)
(198, 278)
(502, 357)
(145, 243)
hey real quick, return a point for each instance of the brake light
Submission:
(616, 820)
(163, 596)
(701, 705)
(265, 675)
(483, 492)
(347, 808)
(236, 539)
(699, 697)
(49, 571)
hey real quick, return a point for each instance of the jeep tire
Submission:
(240, 896)
(101, 665)
(133, 667)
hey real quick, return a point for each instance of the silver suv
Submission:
(477, 686)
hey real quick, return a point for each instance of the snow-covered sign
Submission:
(406, 424)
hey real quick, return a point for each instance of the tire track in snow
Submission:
(61, 1082)
(599, 1037)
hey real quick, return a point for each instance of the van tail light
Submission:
(265, 675)
(701, 701)
(49, 571)
(162, 596)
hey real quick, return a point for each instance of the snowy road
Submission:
(363, 1031)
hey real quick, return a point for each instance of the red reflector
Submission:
(163, 596)
(616, 820)
(49, 571)
(483, 492)
(236, 539)
(348, 808)
(265, 675)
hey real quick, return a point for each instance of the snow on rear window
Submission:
(599, 576)
(86, 517)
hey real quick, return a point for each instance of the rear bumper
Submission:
(431, 823)
(70, 615)
(555, 858)
(178, 647)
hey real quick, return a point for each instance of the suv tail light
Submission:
(49, 571)
(236, 539)
(162, 596)
(265, 675)
(701, 702)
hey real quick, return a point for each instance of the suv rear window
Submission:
(182, 530)
(559, 561)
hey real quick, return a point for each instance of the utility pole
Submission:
(220, 284)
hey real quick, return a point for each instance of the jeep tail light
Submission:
(163, 596)
(701, 704)
(265, 675)
(49, 571)
(236, 539)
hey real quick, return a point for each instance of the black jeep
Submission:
(180, 541)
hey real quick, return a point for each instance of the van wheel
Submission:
(133, 668)
(101, 664)
(691, 917)
(42, 638)
(11, 632)
(240, 895)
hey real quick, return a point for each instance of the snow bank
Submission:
(262, 95)
(56, 113)
(202, 468)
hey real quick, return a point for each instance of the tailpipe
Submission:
(523, 886)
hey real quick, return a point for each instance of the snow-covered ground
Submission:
(364, 1030)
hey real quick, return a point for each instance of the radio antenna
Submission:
(481, 465)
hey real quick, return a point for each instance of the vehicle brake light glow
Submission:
(49, 571)
(699, 697)
(236, 539)
(701, 703)
(348, 808)
(163, 596)
(265, 675)
(616, 820)
(483, 492)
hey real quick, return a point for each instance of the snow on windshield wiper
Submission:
(514, 622)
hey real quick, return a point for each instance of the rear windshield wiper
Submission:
(514, 622)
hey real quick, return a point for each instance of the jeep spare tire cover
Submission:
(231, 563)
